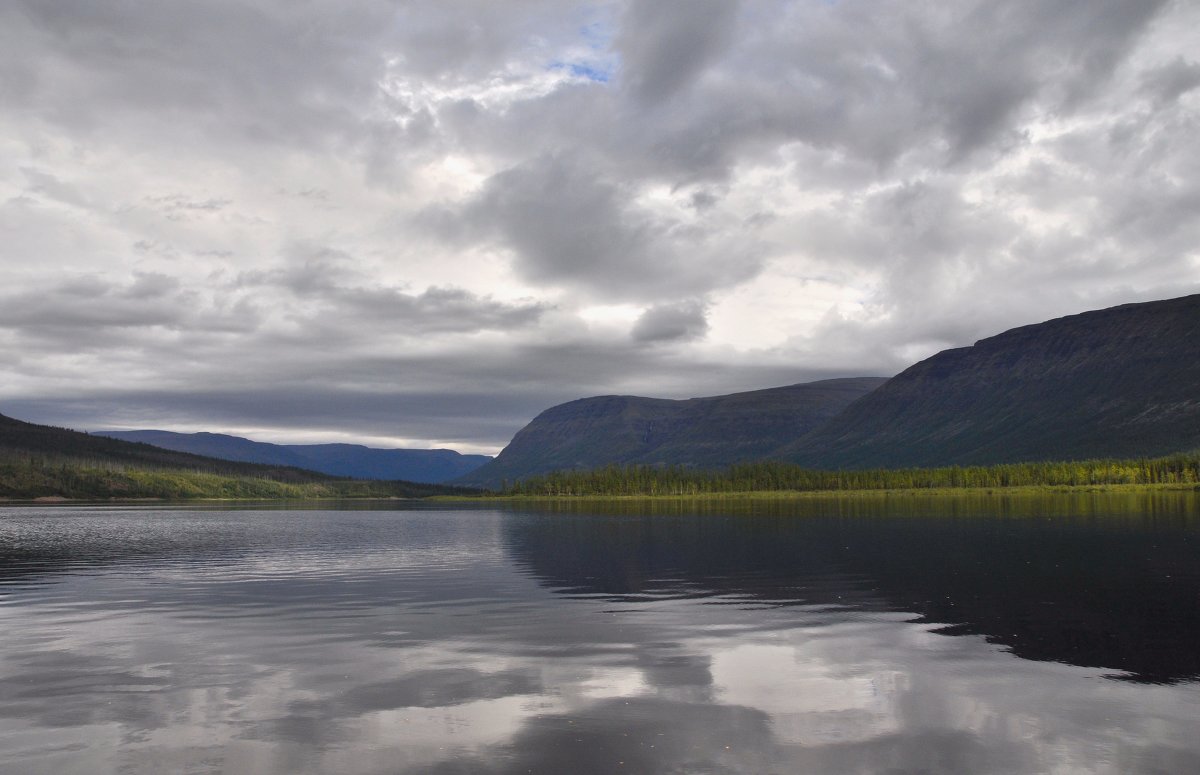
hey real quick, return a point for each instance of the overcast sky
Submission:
(421, 223)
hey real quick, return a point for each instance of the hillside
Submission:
(708, 432)
(414, 465)
(38, 461)
(1120, 382)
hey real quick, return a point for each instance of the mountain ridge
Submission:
(1117, 382)
(710, 431)
(432, 466)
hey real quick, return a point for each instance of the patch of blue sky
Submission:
(592, 57)
(600, 72)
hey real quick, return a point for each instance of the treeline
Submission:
(31, 477)
(1182, 469)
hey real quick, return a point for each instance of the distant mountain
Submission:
(1119, 382)
(431, 466)
(39, 460)
(703, 432)
(20, 439)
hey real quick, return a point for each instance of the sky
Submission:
(419, 224)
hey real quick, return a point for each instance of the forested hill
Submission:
(700, 432)
(18, 438)
(39, 460)
(414, 465)
(1119, 382)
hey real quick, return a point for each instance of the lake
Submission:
(903, 634)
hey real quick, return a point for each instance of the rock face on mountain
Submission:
(703, 432)
(1119, 382)
(429, 466)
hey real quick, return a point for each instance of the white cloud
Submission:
(845, 186)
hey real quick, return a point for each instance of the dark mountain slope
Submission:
(41, 460)
(1119, 382)
(24, 440)
(701, 432)
(414, 465)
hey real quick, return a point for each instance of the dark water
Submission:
(986, 635)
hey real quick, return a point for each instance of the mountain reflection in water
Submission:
(1091, 580)
(755, 637)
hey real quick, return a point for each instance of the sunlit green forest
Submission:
(39, 461)
(1182, 469)
(27, 478)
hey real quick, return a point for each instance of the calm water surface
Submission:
(969, 635)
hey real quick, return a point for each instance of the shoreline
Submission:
(1032, 489)
(58, 500)
(911, 492)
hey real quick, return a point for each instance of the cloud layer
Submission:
(421, 224)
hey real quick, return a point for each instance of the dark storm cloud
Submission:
(1170, 82)
(672, 322)
(84, 306)
(567, 225)
(666, 44)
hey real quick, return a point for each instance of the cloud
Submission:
(307, 387)
(666, 44)
(1171, 81)
(671, 322)
(566, 225)
(173, 64)
(327, 293)
(424, 204)
(49, 186)
(82, 308)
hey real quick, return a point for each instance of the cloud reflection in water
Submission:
(452, 640)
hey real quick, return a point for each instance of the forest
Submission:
(24, 478)
(1180, 469)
